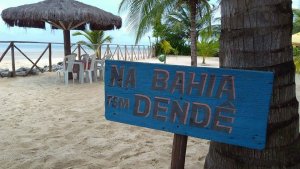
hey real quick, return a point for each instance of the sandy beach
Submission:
(45, 124)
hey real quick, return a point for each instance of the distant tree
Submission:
(208, 45)
(180, 20)
(296, 21)
(95, 39)
(296, 54)
(175, 36)
(141, 14)
(176, 27)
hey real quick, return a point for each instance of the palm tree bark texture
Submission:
(256, 35)
(180, 141)
(193, 8)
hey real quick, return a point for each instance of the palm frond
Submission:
(89, 45)
(83, 33)
(96, 38)
(141, 14)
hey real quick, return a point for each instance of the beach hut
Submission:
(61, 14)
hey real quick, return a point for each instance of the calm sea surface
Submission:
(34, 51)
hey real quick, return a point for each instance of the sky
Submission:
(122, 36)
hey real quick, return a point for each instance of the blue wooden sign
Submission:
(223, 105)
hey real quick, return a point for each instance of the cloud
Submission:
(296, 4)
(122, 36)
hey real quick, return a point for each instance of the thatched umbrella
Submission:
(61, 14)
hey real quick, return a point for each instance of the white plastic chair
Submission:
(90, 67)
(68, 64)
(101, 65)
(84, 57)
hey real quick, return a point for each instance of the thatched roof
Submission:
(64, 14)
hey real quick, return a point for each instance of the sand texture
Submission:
(45, 124)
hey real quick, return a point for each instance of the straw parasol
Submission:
(296, 39)
(61, 14)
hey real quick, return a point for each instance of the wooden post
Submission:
(13, 59)
(118, 52)
(67, 47)
(50, 57)
(125, 52)
(178, 151)
(79, 51)
(132, 53)
(142, 53)
(67, 42)
(35, 64)
(4, 53)
(100, 55)
(29, 58)
(149, 52)
(138, 57)
(145, 52)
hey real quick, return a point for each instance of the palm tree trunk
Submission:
(257, 35)
(180, 141)
(192, 4)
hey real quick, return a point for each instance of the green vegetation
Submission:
(170, 33)
(95, 39)
(176, 30)
(166, 47)
(180, 20)
(296, 29)
(297, 63)
(144, 15)
(208, 45)
(296, 21)
(296, 54)
(175, 37)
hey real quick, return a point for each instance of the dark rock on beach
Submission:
(23, 70)
(54, 67)
(20, 72)
(5, 73)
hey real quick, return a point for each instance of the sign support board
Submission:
(223, 105)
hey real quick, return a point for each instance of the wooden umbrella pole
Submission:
(67, 47)
(67, 42)
(178, 151)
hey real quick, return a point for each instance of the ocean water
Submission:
(34, 51)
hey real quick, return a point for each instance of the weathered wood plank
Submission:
(50, 57)
(224, 105)
(37, 61)
(27, 57)
(13, 63)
